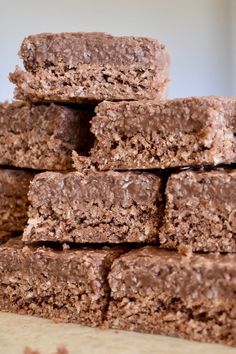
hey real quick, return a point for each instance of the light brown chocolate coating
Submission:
(67, 286)
(91, 67)
(174, 133)
(14, 186)
(109, 207)
(49, 49)
(200, 211)
(164, 292)
(42, 137)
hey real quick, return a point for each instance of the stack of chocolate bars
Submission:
(141, 235)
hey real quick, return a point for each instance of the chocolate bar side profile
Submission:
(91, 67)
(140, 135)
(96, 207)
(200, 211)
(42, 137)
(163, 292)
(67, 286)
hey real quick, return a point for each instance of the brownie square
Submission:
(68, 286)
(42, 137)
(96, 207)
(165, 292)
(153, 135)
(14, 186)
(201, 211)
(85, 67)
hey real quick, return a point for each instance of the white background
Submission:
(200, 35)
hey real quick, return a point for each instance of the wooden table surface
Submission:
(18, 332)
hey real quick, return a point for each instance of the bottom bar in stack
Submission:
(165, 292)
(69, 285)
(148, 289)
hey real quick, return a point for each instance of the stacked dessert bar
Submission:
(142, 234)
(34, 138)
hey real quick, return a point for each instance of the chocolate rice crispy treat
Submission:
(68, 286)
(109, 207)
(174, 133)
(14, 186)
(84, 67)
(165, 292)
(201, 211)
(42, 136)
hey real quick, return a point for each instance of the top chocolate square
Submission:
(91, 67)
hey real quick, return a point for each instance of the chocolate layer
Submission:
(148, 134)
(158, 291)
(67, 286)
(201, 211)
(91, 67)
(110, 207)
(14, 186)
(42, 136)
(49, 49)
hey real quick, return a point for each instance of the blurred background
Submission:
(200, 35)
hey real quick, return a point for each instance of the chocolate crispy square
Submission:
(85, 67)
(67, 285)
(189, 296)
(200, 211)
(42, 137)
(96, 207)
(140, 135)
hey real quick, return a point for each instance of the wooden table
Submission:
(17, 332)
